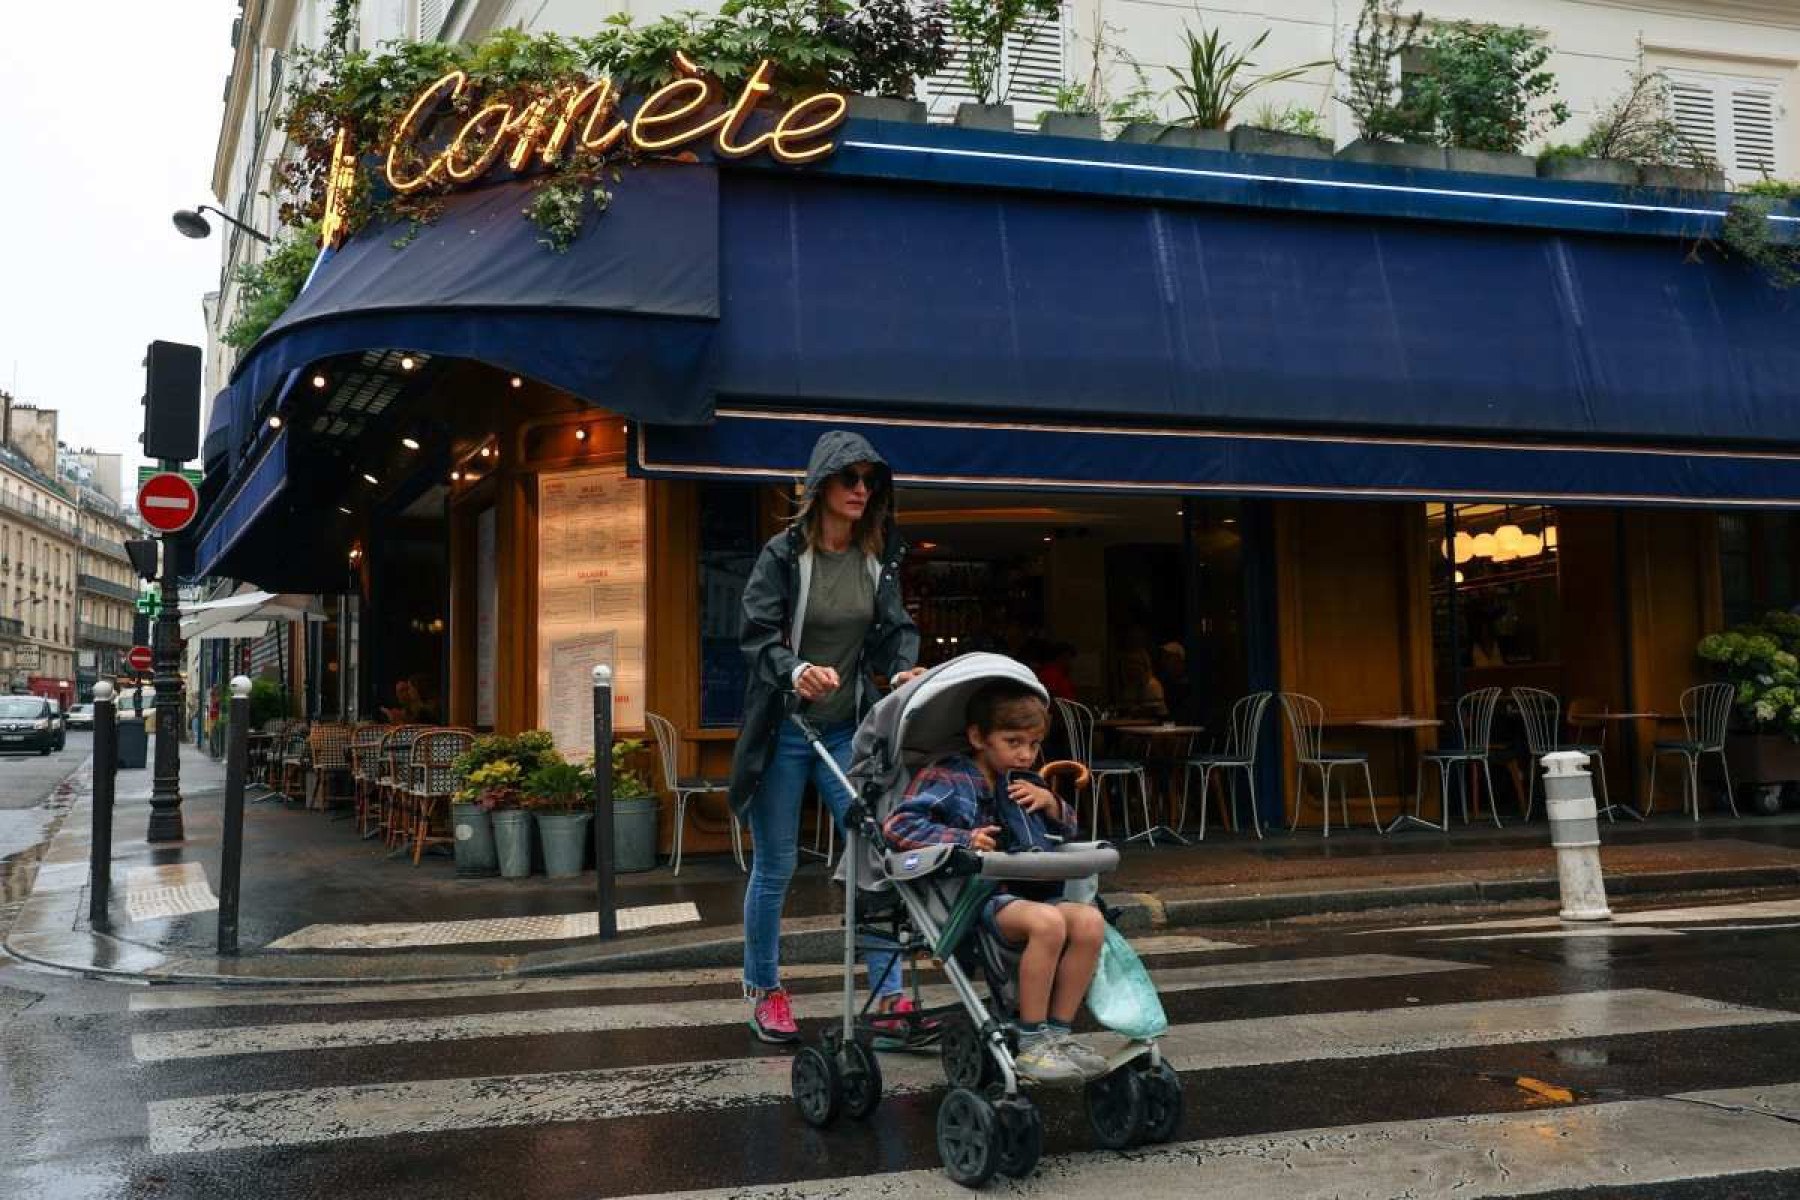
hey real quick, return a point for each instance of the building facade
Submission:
(106, 585)
(1243, 422)
(40, 539)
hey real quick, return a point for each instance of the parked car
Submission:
(59, 720)
(81, 717)
(29, 723)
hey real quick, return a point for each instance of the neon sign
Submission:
(541, 129)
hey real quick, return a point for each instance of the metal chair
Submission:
(432, 783)
(365, 766)
(1474, 737)
(391, 782)
(1306, 718)
(668, 744)
(328, 762)
(1239, 755)
(1078, 720)
(1705, 713)
(291, 761)
(1542, 713)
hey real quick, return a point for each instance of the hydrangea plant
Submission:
(1760, 660)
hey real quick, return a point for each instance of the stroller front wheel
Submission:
(1021, 1136)
(860, 1080)
(1163, 1103)
(1115, 1109)
(817, 1086)
(967, 1062)
(968, 1137)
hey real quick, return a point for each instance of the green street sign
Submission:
(144, 473)
(149, 603)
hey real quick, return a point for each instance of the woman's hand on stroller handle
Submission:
(815, 683)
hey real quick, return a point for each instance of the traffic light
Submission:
(140, 629)
(142, 552)
(172, 401)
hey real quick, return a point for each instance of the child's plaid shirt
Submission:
(949, 800)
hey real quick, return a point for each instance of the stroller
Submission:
(929, 901)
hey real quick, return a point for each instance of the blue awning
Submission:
(256, 489)
(770, 446)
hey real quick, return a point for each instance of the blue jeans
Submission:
(775, 829)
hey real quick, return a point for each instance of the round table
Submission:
(1401, 726)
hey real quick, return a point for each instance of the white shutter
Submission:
(1031, 69)
(1735, 120)
(430, 19)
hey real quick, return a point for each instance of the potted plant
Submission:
(1392, 126)
(1217, 77)
(892, 44)
(635, 808)
(491, 828)
(559, 794)
(982, 29)
(1636, 139)
(1759, 660)
(1488, 92)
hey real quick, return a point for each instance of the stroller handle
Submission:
(1077, 772)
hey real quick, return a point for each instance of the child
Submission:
(954, 801)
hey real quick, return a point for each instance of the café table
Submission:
(1151, 732)
(1630, 721)
(1400, 727)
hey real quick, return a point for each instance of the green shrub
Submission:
(1486, 86)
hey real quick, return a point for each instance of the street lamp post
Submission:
(165, 785)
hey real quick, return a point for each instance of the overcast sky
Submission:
(109, 114)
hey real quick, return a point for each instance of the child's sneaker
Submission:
(1041, 1060)
(1091, 1063)
(895, 1031)
(772, 1018)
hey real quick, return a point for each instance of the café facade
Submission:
(1370, 433)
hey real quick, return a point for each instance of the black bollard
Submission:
(231, 848)
(106, 760)
(603, 796)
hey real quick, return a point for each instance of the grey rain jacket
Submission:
(774, 608)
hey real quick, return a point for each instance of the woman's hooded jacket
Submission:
(775, 603)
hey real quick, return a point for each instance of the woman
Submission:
(823, 618)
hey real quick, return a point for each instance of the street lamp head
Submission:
(191, 224)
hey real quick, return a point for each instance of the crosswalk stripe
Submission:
(1748, 911)
(1563, 935)
(173, 999)
(320, 1035)
(312, 1115)
(1646, 1143)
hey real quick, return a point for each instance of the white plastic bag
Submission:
(1122, 996)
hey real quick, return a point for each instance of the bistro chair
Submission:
(1306, 718)
(668, 744)
(365, 765)
(1705, 712)
(1078, 720)
(1474, 739)
(259, 746)
(391, 782)
(328, 760)
(1239, 755)
(432, 784)
(1541, 712)
(291, 762)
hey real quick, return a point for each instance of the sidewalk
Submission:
(304, 870)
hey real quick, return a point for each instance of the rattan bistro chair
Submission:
(686, 789)
(1078, 721)
(392, 780)
(328, 763)
(1705, 713)
(365, 767)
(1239, 755)
(432, 784)
(291, 762)
(1541, 712)
(1474, 729)
(1306, 717)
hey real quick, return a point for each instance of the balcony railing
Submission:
(12, 627)
(40, 514)
(106, 546)
(105, 587)
(100, 635)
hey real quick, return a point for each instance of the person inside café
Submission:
(1140, 692)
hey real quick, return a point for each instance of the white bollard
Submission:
(1575, 833)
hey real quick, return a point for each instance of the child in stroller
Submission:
(935, 898)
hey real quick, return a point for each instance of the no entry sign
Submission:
(168, 502)
(140, 659)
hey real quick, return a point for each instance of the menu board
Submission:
(487, 596)
(592, 582)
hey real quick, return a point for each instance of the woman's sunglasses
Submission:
(872, 478)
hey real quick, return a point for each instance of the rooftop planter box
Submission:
(1491, 162)
(886, 108)
(1394, 154)
(1589, 170)
(995, 117)
(1191, 138)
(1071, 124)
(1141, 131)
(1248, 139)
(1684, 179)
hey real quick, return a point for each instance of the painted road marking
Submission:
(1750, 911)
(174, 890)
(324, 1035)
(1644, 1143)
(172, 999)
(1578, 931)
(394, 934)
(306, 1116)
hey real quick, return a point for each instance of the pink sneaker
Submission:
(772, 1019)
(893, 1031)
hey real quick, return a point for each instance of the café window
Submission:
(728, 546)
(1496, 595)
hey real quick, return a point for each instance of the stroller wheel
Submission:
(1021, 1136)
(861, 1080)
(967, 1063)
(818, 1088)
(1163, 1102)
(968, 1137)
(1115, 1109)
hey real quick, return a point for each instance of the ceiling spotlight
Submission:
(409, 443)
(407, 362)
(318, 381)
(517, 382)
(455, 476)
(487, 451)
(370, 478)
(275, 421)
(1046, 537)
(343, 510)
(581, 435)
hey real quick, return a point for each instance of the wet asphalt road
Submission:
(1318, 1061)
(29, 802)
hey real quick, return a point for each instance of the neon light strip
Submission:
(1300, 181)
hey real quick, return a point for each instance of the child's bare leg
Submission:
(1040, 927)
(1083, 930)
